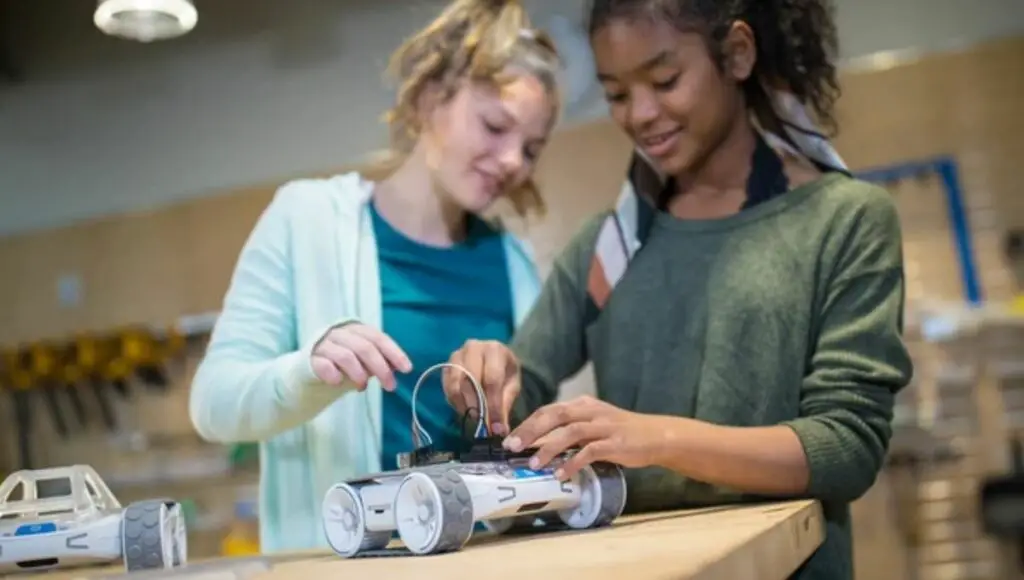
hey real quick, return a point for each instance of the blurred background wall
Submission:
(130, 175)
(262, 90)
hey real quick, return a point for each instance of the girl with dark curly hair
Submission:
(742, 305)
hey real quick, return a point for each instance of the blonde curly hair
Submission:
(488, 41)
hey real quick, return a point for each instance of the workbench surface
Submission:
(758, 542)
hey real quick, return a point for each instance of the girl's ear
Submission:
(740, 50)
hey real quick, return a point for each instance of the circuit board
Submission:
(483, 449)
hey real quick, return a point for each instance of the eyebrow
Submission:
(659, 59)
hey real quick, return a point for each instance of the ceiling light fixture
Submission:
(145, 20)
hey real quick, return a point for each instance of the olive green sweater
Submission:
(788, 313)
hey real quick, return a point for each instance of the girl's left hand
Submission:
(601, 432)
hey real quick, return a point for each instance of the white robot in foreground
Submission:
(67, 516)
(435, 499)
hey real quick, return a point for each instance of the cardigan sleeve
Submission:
(254, 382)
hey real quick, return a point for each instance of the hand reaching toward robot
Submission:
(599, 430)
(436, 497)
(497, 370)
(358, 352)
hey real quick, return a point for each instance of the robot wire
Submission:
(419, 434)
(467, 415)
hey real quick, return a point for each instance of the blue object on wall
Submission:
(946, 169)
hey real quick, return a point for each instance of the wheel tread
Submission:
(142, 530)
(613, 493)
(456, 510)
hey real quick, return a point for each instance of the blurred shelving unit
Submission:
(952, 422)
(952, 430)
(210, 480)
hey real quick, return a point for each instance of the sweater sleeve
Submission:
(860, 361)
(550, 343)
(254, 382)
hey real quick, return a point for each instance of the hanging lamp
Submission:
(145, 20)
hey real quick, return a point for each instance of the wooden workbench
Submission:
(762, 542)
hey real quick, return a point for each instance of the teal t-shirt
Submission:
(434, 299)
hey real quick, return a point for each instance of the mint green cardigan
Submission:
(309, 264)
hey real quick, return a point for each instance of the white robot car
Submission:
(67, 516)
(434, 507)
(435, 499)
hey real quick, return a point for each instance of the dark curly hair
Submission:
(796, 43)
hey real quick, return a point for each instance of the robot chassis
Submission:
(84, 525)
(435, 499)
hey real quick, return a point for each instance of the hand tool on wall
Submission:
(104, 350)
(71, 388)
(171, 348)
(91, 356)
(40, 364)
(45, 363)
(141, 354)
(15, 381)
(70, 374)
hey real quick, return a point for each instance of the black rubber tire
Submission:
(613, 493)
(142, 530)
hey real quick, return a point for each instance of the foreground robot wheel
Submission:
(603, 497)
(345, 523)
(153, 535)
(434, 512)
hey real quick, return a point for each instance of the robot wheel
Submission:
(603, 497)
(345, 523)
(153, 536)
(434, 512)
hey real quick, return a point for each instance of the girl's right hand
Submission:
(496, 368)
(358, 353)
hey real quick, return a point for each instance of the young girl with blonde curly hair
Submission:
(347, 288)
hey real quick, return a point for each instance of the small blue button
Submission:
(33, 529)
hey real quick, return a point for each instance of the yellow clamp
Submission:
(132, 348)
(42, 360)
(71, 370)
(21, 379)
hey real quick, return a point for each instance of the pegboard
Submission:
(932, 208)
